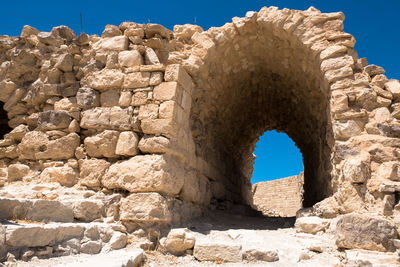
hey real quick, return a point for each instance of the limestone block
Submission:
(156, 78)
(91, 171)
(90, 247)
(157, 127)
(154, 144)
(169, 110)
(87, 98)
(65, 176)
(396, 110)
(356, 231)
(393, 86)
(127, 144)
(102, 144)
(136, 80)
(49, 38)
(104, 79)
(117, 43)
(65, 62)
(7, 87)
(145, 207)
(19, 132)
(152, 30)
(332, 51)
(130, 58)
(106, 118)
(28, 31)
(146, 173)
(150, 57)
(221, 251)
(17, 172)
(178, 241)
(36, 145)
(203, 40)
(334, 75)
(14, 98)
(54, 119)
(356, 170)
(111, 31)
(61, 148)
(383, 93)
(389, 170)
(125, 99)
(67, 104)
(55, 211)
(87, 210)
(64, 32)
(346, 129)
(109, 98)
(382, 115)
(148, 111)
(336, 63)
(168, 91)
(260, 254)
(118, 240)
(186, 31)
(379, 81)
(373, 70)
(139, 98)
(311, 225)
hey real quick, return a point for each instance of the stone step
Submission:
(120, 258)
(43, 210)
(24, 241)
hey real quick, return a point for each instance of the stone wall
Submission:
(281, 197)
(167, 120)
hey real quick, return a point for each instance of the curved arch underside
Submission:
(265, 81)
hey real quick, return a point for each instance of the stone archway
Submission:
(296, 72)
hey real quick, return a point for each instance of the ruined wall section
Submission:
(103, 113)
(279, 198)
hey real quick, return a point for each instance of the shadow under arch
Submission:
(260, 78)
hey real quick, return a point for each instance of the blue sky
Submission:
(374, 24)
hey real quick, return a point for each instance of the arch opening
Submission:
(256, 84)
(276, 157)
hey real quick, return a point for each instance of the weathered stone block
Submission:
(145, 207)
(207, 250)
(356, 231)
(66, 175)
(102, 144)
(127, 144)
(53, 120)
(117, 43)
(136, 80)
(106, 118)
(130, 58)
(87, 98)
(91, 171)
(104, 79)
(168, 91)
(17, 172)
(148, 173)
(154, 144)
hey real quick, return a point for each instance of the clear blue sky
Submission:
(374, 24)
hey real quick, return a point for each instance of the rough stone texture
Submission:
(145, 207)
(203, 99)
(65, 175)
(178, 241)
(282, 197)
(365, 232)
(146, 173)
(217, 251)
(311, 225)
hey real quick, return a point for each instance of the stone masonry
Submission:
(144, 128)
(279, 198)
